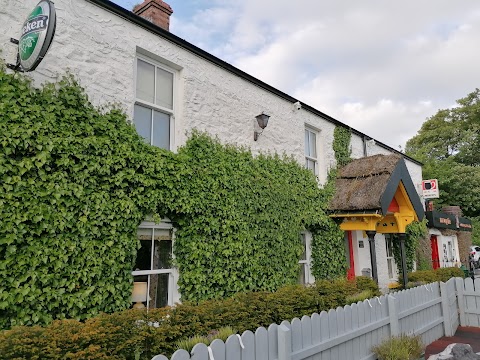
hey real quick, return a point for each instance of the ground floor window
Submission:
(304, 275)
(390, 257)
(153, 272)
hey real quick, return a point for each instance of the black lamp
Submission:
(262, 121)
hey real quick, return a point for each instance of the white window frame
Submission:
(152, 106)
(173, 294)
(308, 157)
(309, 279)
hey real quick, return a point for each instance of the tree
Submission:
(448, 144)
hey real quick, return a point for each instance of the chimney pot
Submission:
(156, 11)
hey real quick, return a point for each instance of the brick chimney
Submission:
(156, 11)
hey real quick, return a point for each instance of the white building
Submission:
(169, 87)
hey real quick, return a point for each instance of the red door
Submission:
(435, 258)
(351, 270)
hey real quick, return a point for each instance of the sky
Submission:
(382, 67)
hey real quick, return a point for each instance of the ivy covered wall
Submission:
(77, 182)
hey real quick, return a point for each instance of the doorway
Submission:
(435, 257)
(350, 259)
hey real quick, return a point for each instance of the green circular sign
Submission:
(37, 35)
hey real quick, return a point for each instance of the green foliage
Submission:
(341, 145)
(222, 334)
(77, 182)
(448, 145)
(361, 296)
(401, 347)
(131, 333)
(415, 231)
(73, 190)
(236, 216)
(328, 243)
(367, 283)
(429, 276)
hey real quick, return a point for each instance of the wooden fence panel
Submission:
(273, 342)
(248, 342)
(351, 331)
(233, 350)
(177, 355)
(200, 352)
(218, 349)
(261, 344)
(472, 302)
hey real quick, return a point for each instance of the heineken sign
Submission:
(37, 35)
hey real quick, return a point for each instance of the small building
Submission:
(450, 236)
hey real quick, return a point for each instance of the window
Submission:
(304, 276)
(154, 105)
(153, 266)
(390, 259)
(311, 157)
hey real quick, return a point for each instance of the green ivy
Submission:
(73, 190)
(328, 243)
(239, 218)
(76, 183)
(414, 233)
(341, 145)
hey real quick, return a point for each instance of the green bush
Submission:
(189, 343)
(135, 333)
(444, 274)
(401, 347)
(367, 283)
(429, 276)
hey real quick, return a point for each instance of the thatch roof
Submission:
(362, 184)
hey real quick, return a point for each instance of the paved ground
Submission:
(464, 335)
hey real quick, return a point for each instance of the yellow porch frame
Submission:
(390, 223)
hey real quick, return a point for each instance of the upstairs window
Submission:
(311, 156)
(154, 105)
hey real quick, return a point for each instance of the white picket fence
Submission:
(468, 301)
(350, 332)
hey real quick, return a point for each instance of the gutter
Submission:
(138, 20)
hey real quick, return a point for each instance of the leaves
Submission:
(76, 182)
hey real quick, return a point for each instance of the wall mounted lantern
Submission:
(262, 121)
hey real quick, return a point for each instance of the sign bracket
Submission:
(16, 67)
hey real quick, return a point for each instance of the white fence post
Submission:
(460, 286)
(393, 314)
(447, 324)
(284, 343)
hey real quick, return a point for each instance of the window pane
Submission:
(144, 254)
(159, 290)
(164, 95)
(161, 130)
(304, 243)
(142, 118)
(145, 81)
(313, 145)
(302, 274)
(162, 257)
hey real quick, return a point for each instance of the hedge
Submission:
(429, 276)
(132, 334)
